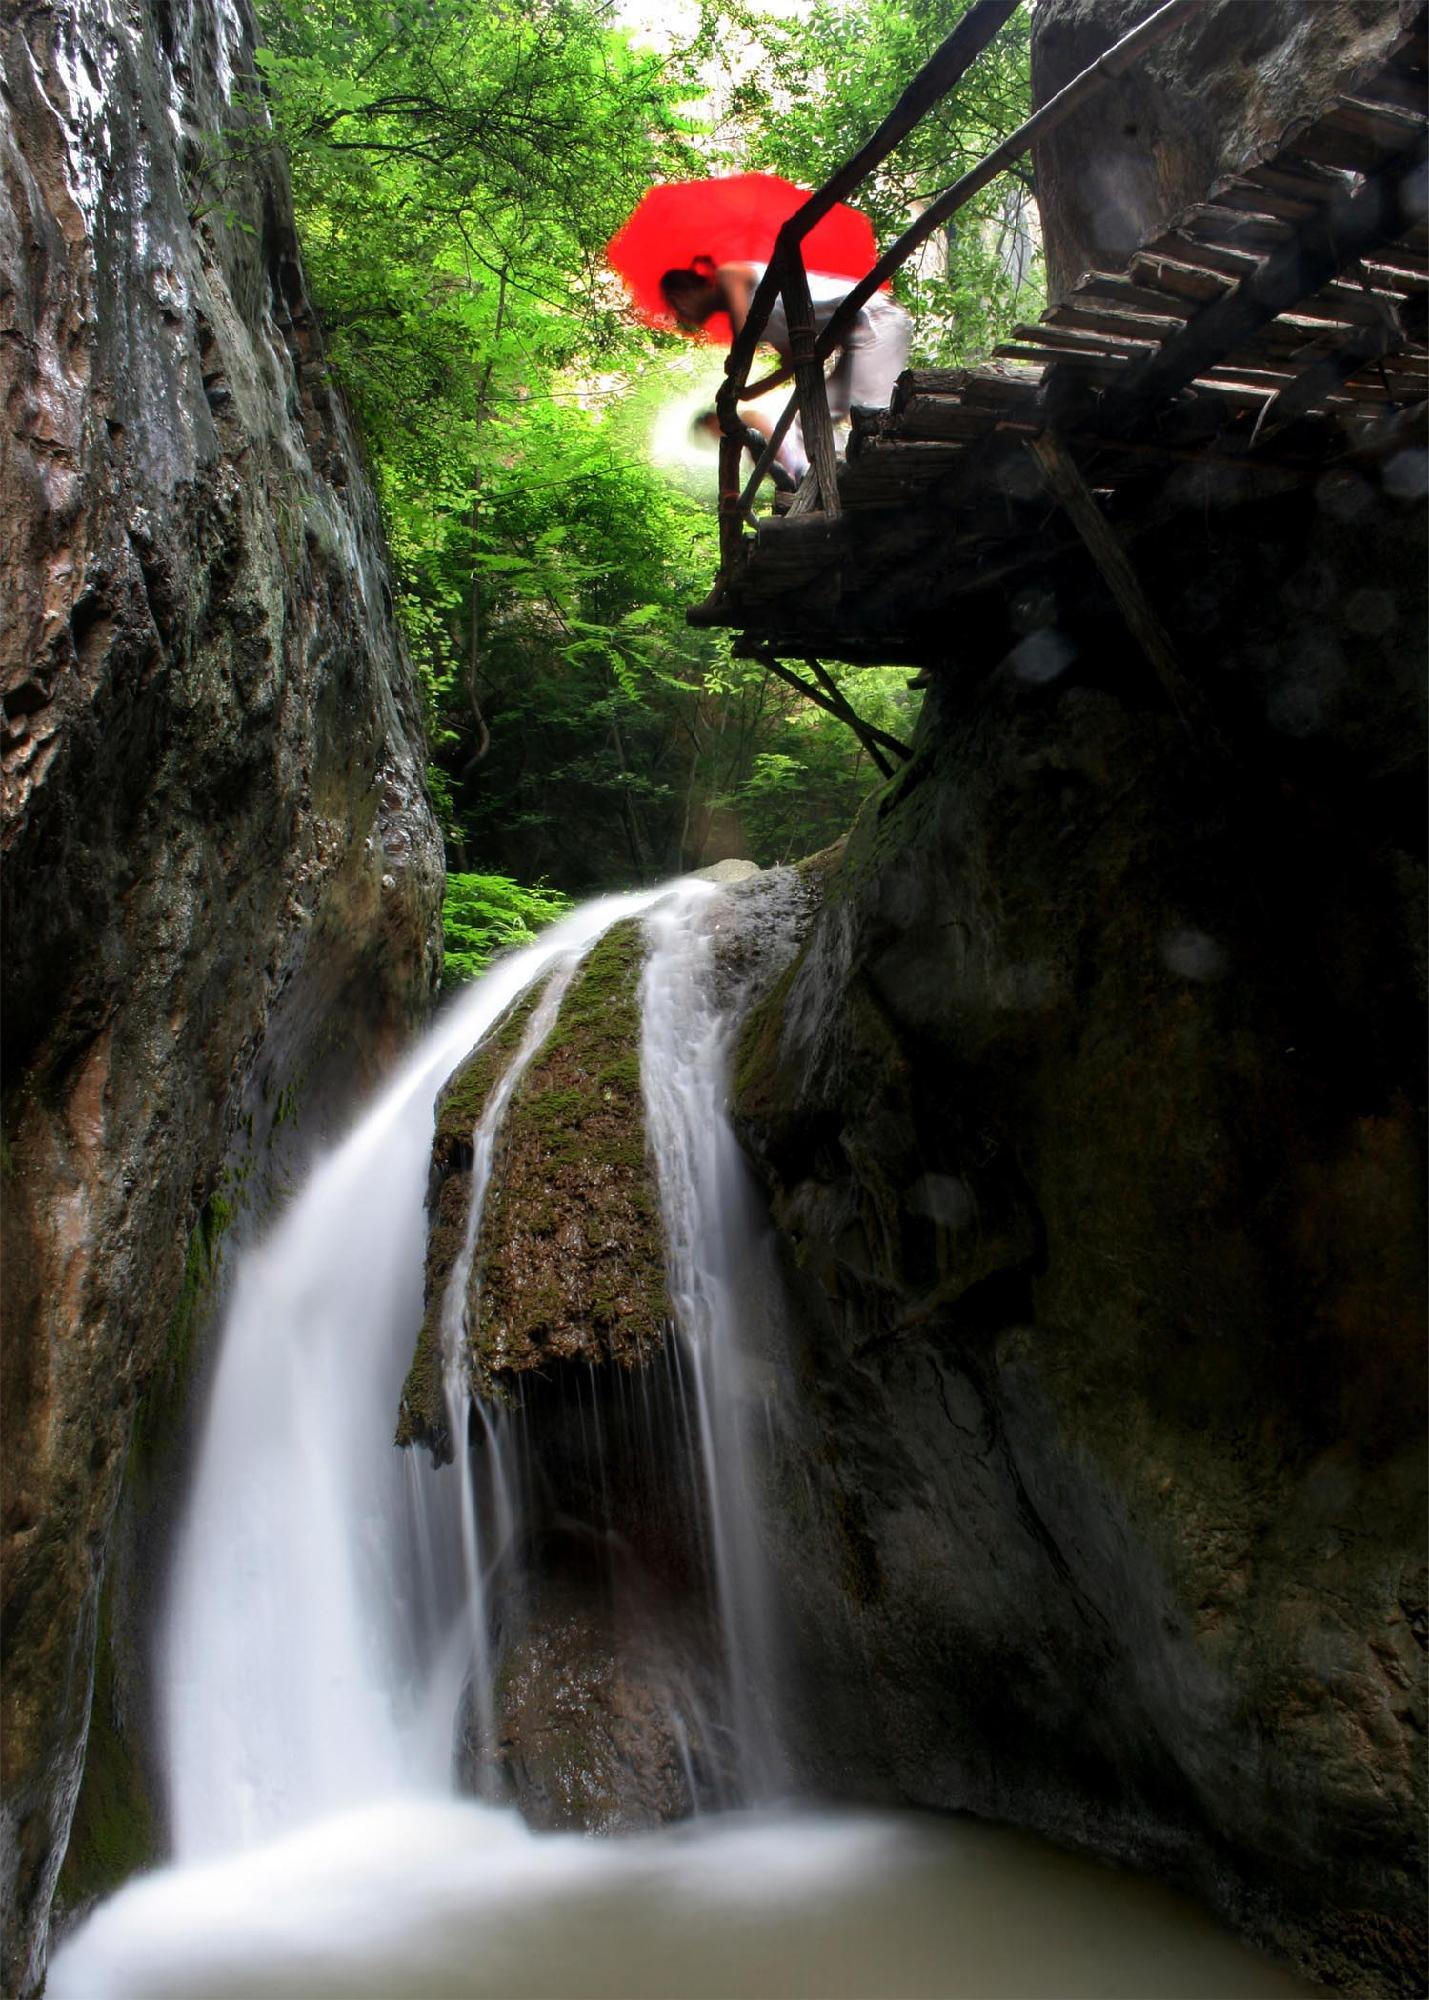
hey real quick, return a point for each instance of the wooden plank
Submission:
(1093, 364)
(1229, 229)
(1393, 89)
(1047, 334)
(1388, 128)
(1181, 248)
(1396, 272)
(1344, 299)
(1330, 145)
(1251, 198)
(1348, 228)
(1065, 482)
(1302, 180)
(1190, 282)
(1118, 325)
(942, 417)
(912, 458)
(1122, 290)
(973, 384)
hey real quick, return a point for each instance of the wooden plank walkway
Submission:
(1275, 327)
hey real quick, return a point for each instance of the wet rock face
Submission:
(587, 1743)
(1228, 83)
(1093, 1114)
(221, 873)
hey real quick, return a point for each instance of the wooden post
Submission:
(809, 374)
(731, 519)
(1071, 490)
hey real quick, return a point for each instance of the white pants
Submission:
(871, 357)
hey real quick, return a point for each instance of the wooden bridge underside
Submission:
(1275, 331)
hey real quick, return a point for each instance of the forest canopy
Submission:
(457, 172)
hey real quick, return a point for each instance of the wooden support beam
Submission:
(1072, 492)
(1323, 378)
(831, 699)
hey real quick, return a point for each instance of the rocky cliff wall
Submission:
(1234, 79)
(221, 872)
(1093, 1115)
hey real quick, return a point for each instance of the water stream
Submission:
(330, 1613)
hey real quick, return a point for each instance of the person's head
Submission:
(692, 291)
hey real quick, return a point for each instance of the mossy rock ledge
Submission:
(570, 1265)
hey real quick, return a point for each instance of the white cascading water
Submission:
(305, 1666)
(721, 1281)
(327, 1607)
(483, 1541)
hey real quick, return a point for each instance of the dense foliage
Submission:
(825, 77)
(487, 914)
(457, 170)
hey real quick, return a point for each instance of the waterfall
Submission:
(331, 1600)
(310, 1656)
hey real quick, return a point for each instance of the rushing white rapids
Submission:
(320, 1628)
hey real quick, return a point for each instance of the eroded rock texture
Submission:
(1230, 83)
(1094, 1115)
(221, 873)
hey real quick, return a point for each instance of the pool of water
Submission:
(442, 1900)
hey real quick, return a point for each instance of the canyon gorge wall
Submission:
(221, 871)
(1092, 1115)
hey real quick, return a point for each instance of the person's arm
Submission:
(738, 284)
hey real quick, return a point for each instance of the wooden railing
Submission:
(787, 277)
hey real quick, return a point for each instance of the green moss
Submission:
(757, 1071)
(422, 1406)
(165, 1396)
(464, 1099)
(114, 1833)
(572, 1259)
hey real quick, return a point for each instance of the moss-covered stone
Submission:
(113, 1833)
(571, 1264)
(422, 1409)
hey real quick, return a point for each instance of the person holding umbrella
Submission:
(871, 356)
(694, 252)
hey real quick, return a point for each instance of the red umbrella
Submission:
(732, 220)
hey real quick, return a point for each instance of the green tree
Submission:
(825, 80)
(457, 170)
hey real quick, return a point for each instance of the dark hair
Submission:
(697, 275)
(683, 279)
